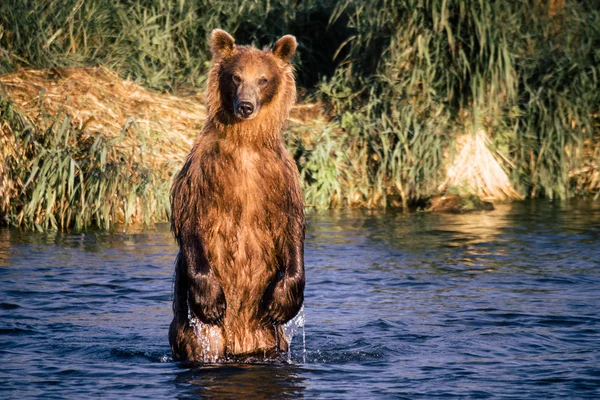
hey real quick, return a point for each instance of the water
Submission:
(504, 304)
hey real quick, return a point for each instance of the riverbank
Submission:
(81, 146)
(403, 104)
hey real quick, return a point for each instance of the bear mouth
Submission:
(244, 118)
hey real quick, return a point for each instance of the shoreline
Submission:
(83, 147)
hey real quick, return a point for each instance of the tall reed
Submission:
(400, 80)
(62, 177)
(161, 43)
(417, 73)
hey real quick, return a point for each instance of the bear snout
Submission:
(246, 101)
(245, 109)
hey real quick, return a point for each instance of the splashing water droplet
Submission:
(290, 329)
(303, 344)
(208, 336)
(166, 359)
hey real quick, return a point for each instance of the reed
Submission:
(160, 43)
(557, 142)
(422, 74)
(401, 92)
(56, 177)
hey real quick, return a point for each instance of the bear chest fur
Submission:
(245, 196)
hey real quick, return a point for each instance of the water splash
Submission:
(208, 336)
(290, 329)
(166, 359)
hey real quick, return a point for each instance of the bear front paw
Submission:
(281, 301)
(207, 300)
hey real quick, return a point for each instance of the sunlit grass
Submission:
(419, 74)
(404, 84)
(58, 177)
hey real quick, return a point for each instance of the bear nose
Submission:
(245, 109)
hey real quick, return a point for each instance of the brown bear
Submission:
(237, 212)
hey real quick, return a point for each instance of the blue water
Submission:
(503, 304)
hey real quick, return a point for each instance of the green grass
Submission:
(418, 73)
(161, 43)
(401, 81)
(64, 178)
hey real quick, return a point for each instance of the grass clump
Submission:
(412, 99)
(420, 75)
(56, 177)
(102, 154)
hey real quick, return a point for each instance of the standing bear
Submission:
(237, 212)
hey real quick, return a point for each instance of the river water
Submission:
(501, 304)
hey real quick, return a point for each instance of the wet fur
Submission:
(237, 215)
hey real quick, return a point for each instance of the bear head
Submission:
(244, 80)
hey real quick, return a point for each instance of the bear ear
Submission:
(221, 43)
(285, 47)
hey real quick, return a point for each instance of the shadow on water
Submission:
(248, 381)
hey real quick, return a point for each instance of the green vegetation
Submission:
(401, 81)
(65, 178)
(160, 43)
(420, 73)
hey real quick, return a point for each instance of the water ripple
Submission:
(504, 304)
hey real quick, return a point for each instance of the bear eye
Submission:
(236, 79)
(263, 81)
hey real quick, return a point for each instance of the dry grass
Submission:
(99, 101)
(156, 131)
(584, 173)
(477, 170)
(83, 146)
